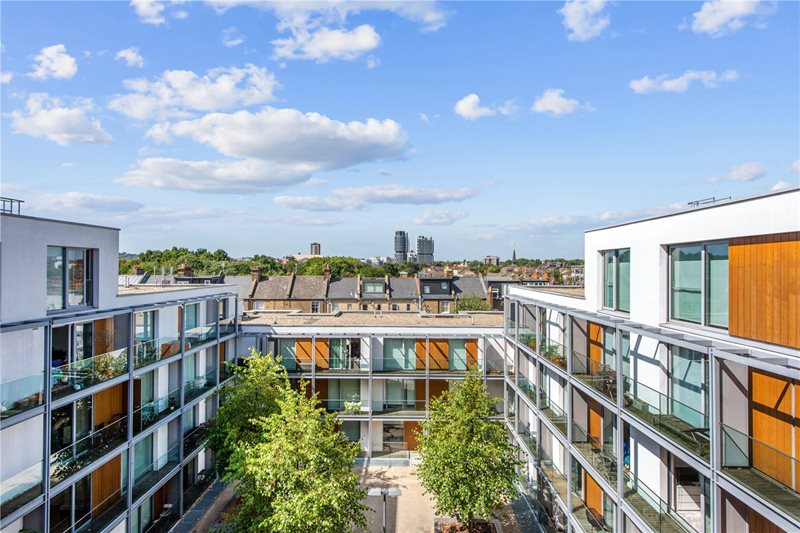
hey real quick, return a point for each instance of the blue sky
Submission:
(259, 127)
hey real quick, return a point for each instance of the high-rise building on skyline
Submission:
(400, 246)
(425, 250)
(316, 249)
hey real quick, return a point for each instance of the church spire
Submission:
(514, 255)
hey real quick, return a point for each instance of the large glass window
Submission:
(699, 284)
(190, 319)
(398, 354)
(145, 326)
(68, 285)
(373, 287)
(617, 279)
(458, 354)
(288, 352)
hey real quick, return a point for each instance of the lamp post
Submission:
(384, 491)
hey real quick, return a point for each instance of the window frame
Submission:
(88, 280)
(615, 275)
(315, 303)
(704, 322)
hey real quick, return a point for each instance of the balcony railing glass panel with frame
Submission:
(199, 385)
(227, 326)
(597, 519)
(527, 387)
(399, 408)
(762, 468)
(147, 352)
(199, 335)
(20, 488)
(346, 406)
(155, 411)
(79, 375)
(100, 517)
(86, 450)
(601, 377)
(528, 437)
(553, 412)
(195, 437)
(676, 420)
(657, 513)
(601, 455)
(155, 471)
(22, 394)
(556, 478)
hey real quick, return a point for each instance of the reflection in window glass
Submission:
(686, 283)
(624, 280)
(145, 326)
(191, 316)
(717, 285)
(76, 270)
(458, 354)
(55, 278)
(608, 297)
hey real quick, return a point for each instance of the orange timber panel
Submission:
(437, 387)
(439, 349)
(103, 335)
(764, 288)
(106, 482)
(110, 404)
(595, 343)
(409, 430)
(771, 423)
(419, 351)
(758, 524)
(323, 352)
(595, 421)
(321, 386)
(303, 351)
(472, 353)
(594, 494)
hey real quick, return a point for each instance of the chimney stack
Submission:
(138, 271)
(403, 274)
(326, 274)
(185, 271)
(255, 273)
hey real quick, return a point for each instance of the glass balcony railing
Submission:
(155, 472)
(527, 387)
(85, 373)
(155, 411)
(556, 478)
(553, 412)
(352, 406)
(398, 408)
(147, 352)
(527, 337)
(392, 364)
(19, 395)
(196, 489)
(198, 386)
(601, 455)
(764, 469)
(226, 327)
(599, 376)
(86, 450)
(652, 509)
(592, 519)
(200, 335)
(676, 420)
(99, 517)
(529, 438)
(195, 438)
(19, 489)
(555, 352)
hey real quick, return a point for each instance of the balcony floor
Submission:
(661, 522)
(672, 427)
(769, 489)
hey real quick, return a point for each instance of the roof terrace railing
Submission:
(8, 206)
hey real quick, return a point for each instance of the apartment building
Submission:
(378, 372)
(105, 390)
(665, 397)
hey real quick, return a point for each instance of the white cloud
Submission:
(584, 19)
(470, 108)
(354, 198)
(708, 78)
(232, 37)
(149, 11)
(436, 217)
(53, 62)
(553, 102)
(325, 44)
(131, 56)
(721, 17)
(781, 185)
(159, 133)
(67, 164)
(742, 173)
(180, 15)
(178, 93)
(6, 77)
(796, 166)
(424, 118)
(70, 201)
(46, 117)
(373, 62)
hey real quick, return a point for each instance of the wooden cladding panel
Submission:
(106, 482)
(303, 351)
(595, 421)
(595, 343)
(419, 391)
(321, 387)
(409, 431)
(110, 404)
(772, 423)
(419, 351)
(103, 335)
(758, 524)
(438, 358)
(593, 494)
(437, 386)
(322, 347)
(764, 288)
(472, 352)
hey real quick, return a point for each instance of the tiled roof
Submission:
(273, 288)
(469, 287)
(244, 285)
(309, 288)
(404, 288)
(342, 289)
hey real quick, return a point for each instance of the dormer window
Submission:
(373, 287)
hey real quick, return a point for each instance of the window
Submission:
(445, 307)
(335, 308)
(443, 285)
(144, 324)
(190, 316)
(617, 279)
(399, 354)
(378, 307)
(408, 307)
(259, 306)
(70, 286)
(315, 307)
(373, 287)
(395, 307)
(699, 284)
(349, 307)
(458, 354)
(426, 289)
(364, 307)
(223, 309)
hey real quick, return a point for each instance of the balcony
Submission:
(652, 509)
(602, 456)
(410, 364)
(19, 395)
(200, 335)
(529, 438)
(553, 475)
(20, 488)
(407, 408)
(100, 517)
(203, 480)
(198, 386)
(85, 373)
(555, 352)
(527, 387)
(155, 472)
(599, 376)
(85, 451)
(150, 351)
(553, 412)
(195, 438)
(346, 407)
(670, 417)
(226, 327)
(153, 412)
(741, 457)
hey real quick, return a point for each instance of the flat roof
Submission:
(566, 290)
(484, 319)
(149, 289)
(54, 220)
(688, 209)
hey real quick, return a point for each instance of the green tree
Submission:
(297, 476)
(467, 462)
(252, 393)
(472, 303)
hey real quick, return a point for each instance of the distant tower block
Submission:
(315, 248)
(425, 250)
(400, 247)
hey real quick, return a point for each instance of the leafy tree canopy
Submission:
(467, 462)
(472, 303)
